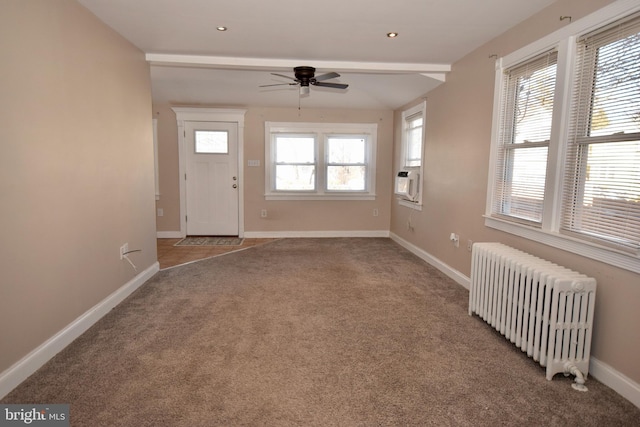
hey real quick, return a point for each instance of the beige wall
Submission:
(76, 168)
(456, 170)
(284, 216)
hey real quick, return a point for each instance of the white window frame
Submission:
(420, 108)
(321, 132)
(564, 40)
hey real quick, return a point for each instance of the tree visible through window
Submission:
(295, 164)
(346, 166)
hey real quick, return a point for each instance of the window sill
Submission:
(590, 250)
(273, 196)
(409, 204)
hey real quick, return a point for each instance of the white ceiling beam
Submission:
(438, 76)
(436, 71)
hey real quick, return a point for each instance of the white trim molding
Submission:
(616, 381)
(33, 361)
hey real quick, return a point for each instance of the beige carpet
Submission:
(308, 332)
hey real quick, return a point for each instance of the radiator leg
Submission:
(579, 381)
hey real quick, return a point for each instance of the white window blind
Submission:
(602, 182)
(526, 115)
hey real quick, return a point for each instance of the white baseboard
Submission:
(604, 373)
(29, 364)
(169, 235)
(613, 379)
(314, 234)
(454, 274)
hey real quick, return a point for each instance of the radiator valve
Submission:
(570, 368)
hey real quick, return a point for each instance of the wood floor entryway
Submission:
(170, 255)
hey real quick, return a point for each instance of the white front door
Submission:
(211, 178)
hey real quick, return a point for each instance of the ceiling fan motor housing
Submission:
(304, 74)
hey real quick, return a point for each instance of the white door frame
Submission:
(187, 114)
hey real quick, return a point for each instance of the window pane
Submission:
(295, 149)
(534, 105)
(414, 146)
(415, 123)
(523, 190)
(413, 135)
(616, 95)
(610, 206)
(212, 142)
(346, 150)
(346, 178)
(295, 177)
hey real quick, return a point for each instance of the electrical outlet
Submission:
(469, 245)
(455, 239)
(160, 212)
(375, 212)
(263, 213)
(123, 250)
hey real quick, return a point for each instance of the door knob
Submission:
(235, 185)
(235, 178)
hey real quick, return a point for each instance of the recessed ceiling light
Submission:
(392, 35)
(221, 28)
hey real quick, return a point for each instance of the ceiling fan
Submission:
(305, 76)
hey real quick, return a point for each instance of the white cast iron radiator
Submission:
(543, 308)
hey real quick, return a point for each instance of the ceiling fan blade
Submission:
(279, 84)
(282, 75)
(333, 85)
(327, 76)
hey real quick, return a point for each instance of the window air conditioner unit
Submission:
(407, 185)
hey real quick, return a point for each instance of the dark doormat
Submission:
(209, 241)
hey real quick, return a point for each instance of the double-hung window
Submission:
(566, 139)
(602, 194)
(413, 136)
(524, 138)
(320, 160)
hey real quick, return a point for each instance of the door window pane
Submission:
(212, 142)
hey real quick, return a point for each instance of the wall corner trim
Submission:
(21, 370)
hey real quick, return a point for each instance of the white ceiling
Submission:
(193, 63)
